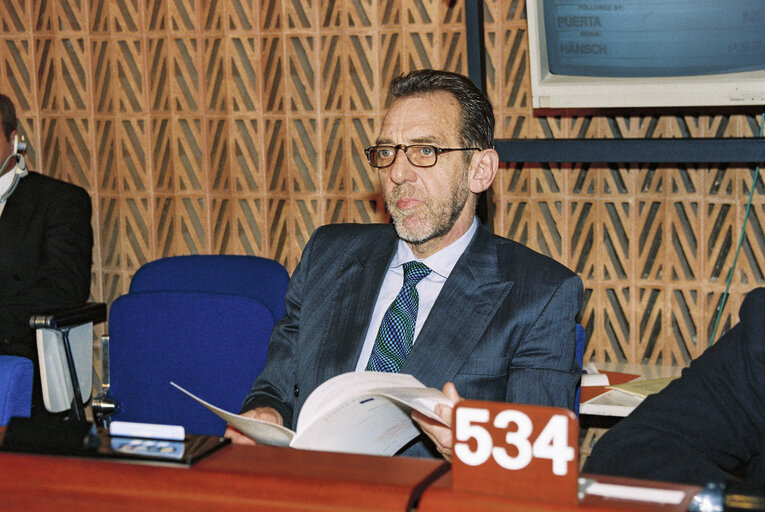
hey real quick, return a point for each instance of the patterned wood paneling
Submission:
(238, 127)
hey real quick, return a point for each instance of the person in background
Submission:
(46, 244)
(490, 317)
(706, 426)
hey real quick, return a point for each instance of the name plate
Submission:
(525, 451)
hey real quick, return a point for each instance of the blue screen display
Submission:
(654, 38)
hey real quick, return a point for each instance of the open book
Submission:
(356, 412)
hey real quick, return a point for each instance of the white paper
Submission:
(338, 389)
(590, 368)
(595, 379)
(147, 430)
(368, 424)
(628, 492)
(261, 431)
(357, 412)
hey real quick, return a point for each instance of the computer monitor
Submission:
(646, 53)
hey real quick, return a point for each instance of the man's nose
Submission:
(401, 169)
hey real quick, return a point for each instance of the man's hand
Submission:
(268, 414)
(438, 433)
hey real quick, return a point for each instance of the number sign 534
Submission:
(552, 442)
(513, 449)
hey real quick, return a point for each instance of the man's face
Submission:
(427, 204)
(6, 149)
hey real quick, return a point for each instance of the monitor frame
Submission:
(549, 91)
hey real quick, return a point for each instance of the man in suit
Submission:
(494, 319)
(706, 426)
(46, 244)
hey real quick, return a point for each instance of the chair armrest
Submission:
(92, 312)
(65, 354)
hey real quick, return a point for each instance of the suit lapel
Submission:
(359, 279)
(460, 315)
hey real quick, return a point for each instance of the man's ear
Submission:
(483, 169)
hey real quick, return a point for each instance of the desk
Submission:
(246, 478)
(234, 479)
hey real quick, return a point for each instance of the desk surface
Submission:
(235, 478)
(239, 478)
(618, 403)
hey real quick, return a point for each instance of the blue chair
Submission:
(248, 276)
(16, 376)
(200, 332)
(581, 342)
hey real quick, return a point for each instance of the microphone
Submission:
(19, 148)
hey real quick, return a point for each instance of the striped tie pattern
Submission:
(396, 335)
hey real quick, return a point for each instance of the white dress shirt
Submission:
(6, 180)
(440, 263)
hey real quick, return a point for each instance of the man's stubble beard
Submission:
(437, 219)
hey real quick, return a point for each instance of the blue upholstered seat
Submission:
(203, 322)
(16, 376)
(248, 276)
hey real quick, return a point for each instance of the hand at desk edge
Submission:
(268, 414)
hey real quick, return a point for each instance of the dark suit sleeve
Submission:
(54, 270)
(543, 369)
(274, 387)
(706, 426)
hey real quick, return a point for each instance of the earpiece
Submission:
(19, 148)
(19, 145)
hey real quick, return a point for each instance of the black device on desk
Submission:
(79, 439)
(55, 436)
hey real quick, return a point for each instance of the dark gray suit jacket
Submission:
(706, 426)
(46, 244)
(501, 329)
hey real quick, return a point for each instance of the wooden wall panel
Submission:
(238, 127)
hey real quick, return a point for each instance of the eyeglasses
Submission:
(419, 155)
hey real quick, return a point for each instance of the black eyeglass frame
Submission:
(404, 147)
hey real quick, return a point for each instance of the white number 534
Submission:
(552, 442)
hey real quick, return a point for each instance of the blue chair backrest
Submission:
(581, 341)
(212, 344)
(250, 276)
(16, 376)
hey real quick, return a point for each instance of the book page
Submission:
(262, 432)
(341, 388)
(344, 414)
(421, 399)
(368, 424)
(643, 388)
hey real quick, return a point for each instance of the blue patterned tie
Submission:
(396, 335)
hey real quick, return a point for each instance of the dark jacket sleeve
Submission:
(708, 425)
(52, 270)
(273, 387)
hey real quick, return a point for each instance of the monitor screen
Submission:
(622, 53)
(650, 38)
